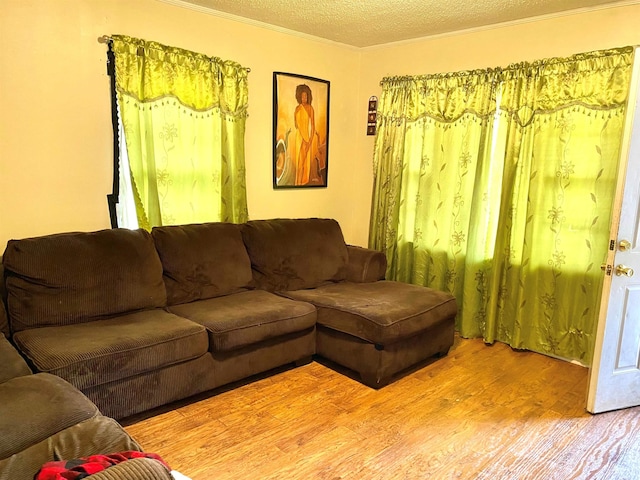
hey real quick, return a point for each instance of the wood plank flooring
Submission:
(482, 412)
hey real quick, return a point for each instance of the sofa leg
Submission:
(372, 380)
(303, 361)
(442, 354)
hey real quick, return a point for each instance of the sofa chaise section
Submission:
(208, 278)
(377, 328)
(90, 308)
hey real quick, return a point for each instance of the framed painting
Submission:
(300, 131)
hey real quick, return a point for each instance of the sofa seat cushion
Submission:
(78, 277)
(291, 254)
(90, 354)
(247, 318)
(380, 312)
(35, 407)
(202, 261)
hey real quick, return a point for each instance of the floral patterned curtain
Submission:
(183, 115)
(497, 186)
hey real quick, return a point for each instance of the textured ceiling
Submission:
(363, 23)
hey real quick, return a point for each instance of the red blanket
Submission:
(83, 467)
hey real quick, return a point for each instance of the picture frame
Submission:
(300, 131)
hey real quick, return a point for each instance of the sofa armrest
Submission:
(135, 469)
(365, 265)
(11, 363)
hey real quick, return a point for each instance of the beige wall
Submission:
(56, 150)
(55, 131)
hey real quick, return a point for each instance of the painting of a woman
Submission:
(305, 124)
(300, 131)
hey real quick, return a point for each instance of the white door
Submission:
(614, 378)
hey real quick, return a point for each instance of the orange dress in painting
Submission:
(306, 141)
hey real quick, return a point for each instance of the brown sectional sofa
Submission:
(135, 320)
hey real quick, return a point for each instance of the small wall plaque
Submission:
(371, 115)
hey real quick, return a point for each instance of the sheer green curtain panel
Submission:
(432, 212)
(497, 186)
(564, 120)
(183, 115)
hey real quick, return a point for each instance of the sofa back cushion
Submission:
(294, 254)
(202, 261)
(74, 278)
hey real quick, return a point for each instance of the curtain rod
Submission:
(108, 39)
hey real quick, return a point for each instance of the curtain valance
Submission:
(444, 97)
(197, 81)
(597, 80)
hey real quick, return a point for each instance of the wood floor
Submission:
(482, 412)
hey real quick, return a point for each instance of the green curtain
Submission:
(497, 186)
(433, 174)
(183, 115)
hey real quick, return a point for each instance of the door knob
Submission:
(624, 245)
(624, 270)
